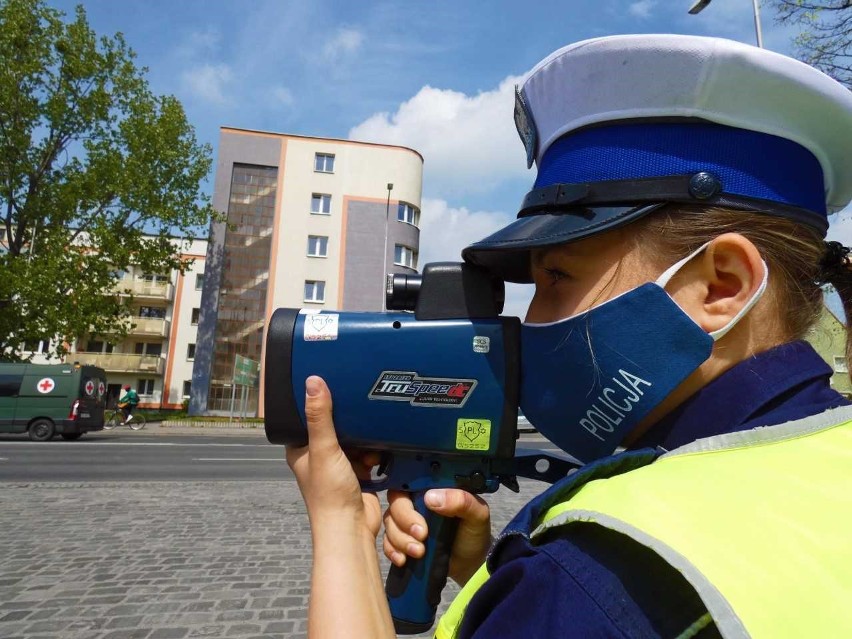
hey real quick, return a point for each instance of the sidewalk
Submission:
(165, 560)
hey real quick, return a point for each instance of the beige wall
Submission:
(183, 332)
(362, 172)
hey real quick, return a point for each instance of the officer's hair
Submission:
(792, 251)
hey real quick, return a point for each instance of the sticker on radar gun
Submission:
(473, 434)
(406, 386)
(320, 327)
(481, 344)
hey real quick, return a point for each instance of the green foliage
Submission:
(825, 41)
(90, 162)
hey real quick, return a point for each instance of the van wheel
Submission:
(42, 430)
(72, 436)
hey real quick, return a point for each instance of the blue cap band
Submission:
(748, 163)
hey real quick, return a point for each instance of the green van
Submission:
(45, 399)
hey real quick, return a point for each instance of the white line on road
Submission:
(221, 459)
(85, 445)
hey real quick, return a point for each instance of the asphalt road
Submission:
(147, 455)
(152, 454)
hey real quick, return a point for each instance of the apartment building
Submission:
(828, 337)
(156, 357)
(311, 222)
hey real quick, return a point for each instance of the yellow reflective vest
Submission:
(759, 522)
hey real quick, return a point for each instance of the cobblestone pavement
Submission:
(162, 560)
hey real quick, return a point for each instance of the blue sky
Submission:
(436, 76)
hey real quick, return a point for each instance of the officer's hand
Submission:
(405, 529)
(327, 478)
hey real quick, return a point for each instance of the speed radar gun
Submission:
(432, 385)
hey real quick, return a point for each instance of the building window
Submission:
(317, 246)
(153, 312)
(148, 348)
(38, 346)
(199, 281)
(405, 256)
(187, 387)
(840, 364)
(97, 346)
(320, 204)
(314, 291)
(324, 163)
(155, 278)
(196, 313)
(2, 234)
(146, 387)
(190, 351)
(408, 214)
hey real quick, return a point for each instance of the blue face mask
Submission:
(588, 380)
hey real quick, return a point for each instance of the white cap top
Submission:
(677, 76)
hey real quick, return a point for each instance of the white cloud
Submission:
(642, 8)
(283, 95)
(209, 82)
(446, 230)
(840, 227)
(200, 43)
(469, 142)
(345, 42)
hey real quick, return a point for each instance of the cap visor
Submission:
(506, 253)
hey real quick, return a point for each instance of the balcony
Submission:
(121, 362)
(149, 327)
(142, 289)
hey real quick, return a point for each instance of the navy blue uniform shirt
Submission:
(592, 582)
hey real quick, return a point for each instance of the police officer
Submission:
(675, 237)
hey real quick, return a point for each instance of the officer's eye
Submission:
(554, 275)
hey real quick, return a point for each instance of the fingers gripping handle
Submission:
(414, 591)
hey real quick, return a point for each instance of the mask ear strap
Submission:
(670, 272)
(716, 335)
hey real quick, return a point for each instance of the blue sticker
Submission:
(526, 126)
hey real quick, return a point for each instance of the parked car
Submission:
(46, 399)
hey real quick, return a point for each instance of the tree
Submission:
(91, 162)
(826, 38)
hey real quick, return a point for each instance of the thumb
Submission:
(321, 435)
(453, 502)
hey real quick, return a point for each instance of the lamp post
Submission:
(385, 254)
(700, 5)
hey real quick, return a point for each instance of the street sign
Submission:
(246, 371)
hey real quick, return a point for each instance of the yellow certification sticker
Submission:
(473, 434)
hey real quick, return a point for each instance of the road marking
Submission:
(221, 459)
(89, 444)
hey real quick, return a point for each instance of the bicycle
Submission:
(115, 417)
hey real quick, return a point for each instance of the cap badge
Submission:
(526, 126)
(704, 185)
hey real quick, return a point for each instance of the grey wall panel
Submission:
(363, 281)
(365, 266)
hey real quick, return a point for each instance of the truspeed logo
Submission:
(406, 386)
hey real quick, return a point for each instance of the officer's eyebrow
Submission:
(540, 255)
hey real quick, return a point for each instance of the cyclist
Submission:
(127, 403)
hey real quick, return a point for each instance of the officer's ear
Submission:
(714, 286)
